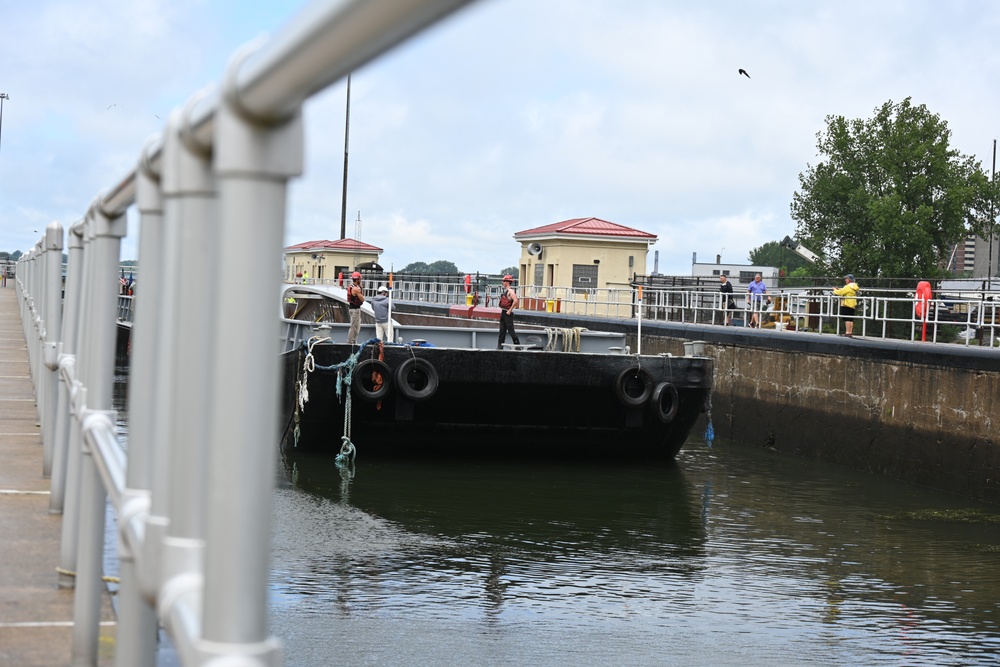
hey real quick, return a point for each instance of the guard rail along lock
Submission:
(193, 494)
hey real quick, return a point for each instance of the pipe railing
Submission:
(192, 496)
(813, 309)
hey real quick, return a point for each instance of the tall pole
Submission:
(347, 134)
(989, 261)
(3, 96)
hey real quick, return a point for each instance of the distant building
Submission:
(324, 260)
(972, 255)
(740, 274)
(582, 253)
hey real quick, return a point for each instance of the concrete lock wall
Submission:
(928, 420)
(918, 412)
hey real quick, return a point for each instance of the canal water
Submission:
(730, 556)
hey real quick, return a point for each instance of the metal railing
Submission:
(883, 313)
(193, 494)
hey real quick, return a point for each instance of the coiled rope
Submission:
(570, 338)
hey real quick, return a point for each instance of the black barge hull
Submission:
(444, 401)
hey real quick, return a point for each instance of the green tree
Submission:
(438, 268)
(512, 270)
(890, 196)
(415, 267)
(773, 253)
(443, 267)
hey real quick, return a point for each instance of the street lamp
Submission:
(3, 96)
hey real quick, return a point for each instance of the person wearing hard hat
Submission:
(508, 302)
(380, 304)
(355, 297)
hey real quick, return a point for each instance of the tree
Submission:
(438, 268)
(891, 196)
(773, 253)
(510, 270)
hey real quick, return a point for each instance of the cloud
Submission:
(508, 116)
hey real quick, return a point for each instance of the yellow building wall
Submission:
(559, 256)
(324, 266)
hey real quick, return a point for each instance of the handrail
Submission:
(192, 561)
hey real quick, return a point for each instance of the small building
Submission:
(318, 261)
(582, 253)
(740, 274)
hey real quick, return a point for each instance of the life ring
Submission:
(417, 379)
(665, 402)
(367, 388)
(634, 386)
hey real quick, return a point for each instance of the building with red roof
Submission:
(316, 261)
(583, 253)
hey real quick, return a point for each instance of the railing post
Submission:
(189, 209)
(254, 161)
(67, 367)
(50, 353)
(98, 357)
(137, 625)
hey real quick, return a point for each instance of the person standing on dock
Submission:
(508, 302)
(380, 304)
(355, 297)
(848, 302)
(728, 304)
(757, 289)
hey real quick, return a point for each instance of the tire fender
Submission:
(362, 383)
(633, 387)
(665, 402)
(417, 379)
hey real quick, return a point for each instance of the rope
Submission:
(709, 430)
(345, 373)
(570, 338)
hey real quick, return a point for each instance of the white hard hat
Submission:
(383, 288)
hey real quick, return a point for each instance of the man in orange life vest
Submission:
(508, 302)
(355, 297)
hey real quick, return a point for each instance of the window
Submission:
(539, 275)
(585, 276)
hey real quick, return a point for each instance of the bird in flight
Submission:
(110, 107)
(744, 72)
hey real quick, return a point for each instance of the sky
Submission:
(509, 115)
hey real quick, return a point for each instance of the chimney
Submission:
(718, 259)
(694, 258)
(656, 261)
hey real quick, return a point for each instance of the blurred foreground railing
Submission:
(193, 495)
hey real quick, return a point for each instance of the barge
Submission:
(446, 390)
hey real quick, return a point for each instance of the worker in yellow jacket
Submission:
(848, 302)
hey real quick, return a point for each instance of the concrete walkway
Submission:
(36, 616)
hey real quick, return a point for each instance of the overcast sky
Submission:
(510, 115)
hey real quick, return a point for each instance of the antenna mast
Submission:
(347, 134)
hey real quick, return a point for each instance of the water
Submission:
(733, 556)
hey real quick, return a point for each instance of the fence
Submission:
(880, 312)
(193, 494)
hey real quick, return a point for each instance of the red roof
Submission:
(586, 227)
(341, 244)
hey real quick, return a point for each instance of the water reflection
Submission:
(504, 536)
(731, 556)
